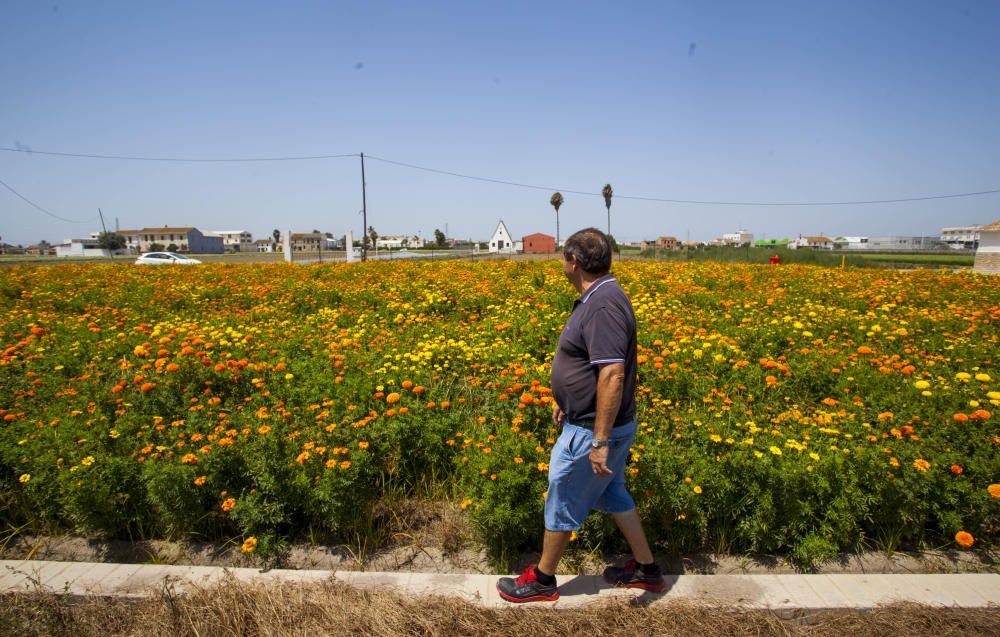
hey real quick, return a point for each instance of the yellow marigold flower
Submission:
(697, 489)
(289, 376)
(189, 458)
(263, 429)
(921, 465)
(200, 480)
(922, 384)
(776, 451)
(25, 477)
(249, 545)
(465, 503)
(89, 460)
(983, 378)
(392, 398)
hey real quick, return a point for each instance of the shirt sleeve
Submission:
(606, 336)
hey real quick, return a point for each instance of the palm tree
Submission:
(556, 201)
(607, 192)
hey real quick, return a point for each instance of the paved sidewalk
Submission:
(775, 592)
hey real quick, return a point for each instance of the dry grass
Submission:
(233, 608)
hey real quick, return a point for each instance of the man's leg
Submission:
(641, 571)
(631, 527)
(552, 549)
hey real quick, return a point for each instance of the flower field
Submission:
(788, 409)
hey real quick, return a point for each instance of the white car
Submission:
(161, 258)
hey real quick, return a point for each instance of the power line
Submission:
(504, 182)
(175, 159)
(37, 207)
(691, 201)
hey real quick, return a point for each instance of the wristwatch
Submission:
(597, 443)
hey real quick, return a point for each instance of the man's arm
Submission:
(610, 382)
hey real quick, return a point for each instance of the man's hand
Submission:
(558, 417)
(599, 462)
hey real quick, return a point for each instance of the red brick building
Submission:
(538, 243)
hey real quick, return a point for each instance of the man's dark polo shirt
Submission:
(600, 330)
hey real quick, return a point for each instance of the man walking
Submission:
(593, 383)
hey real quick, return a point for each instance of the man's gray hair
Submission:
(591, 249)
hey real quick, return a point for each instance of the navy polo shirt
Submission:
(600, 330)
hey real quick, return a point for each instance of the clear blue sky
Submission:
(724, 101)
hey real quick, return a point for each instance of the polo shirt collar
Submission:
(607, 278)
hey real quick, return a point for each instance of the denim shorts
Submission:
(574, 490)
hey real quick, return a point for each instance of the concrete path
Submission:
(782, 593)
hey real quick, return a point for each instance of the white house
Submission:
(501, 241)
(83, 248)
(851, 243)
(961, 236)
(264, 245)
(816, 243)
(737, 239)
(988, 254)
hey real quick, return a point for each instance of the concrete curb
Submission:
(780, 593)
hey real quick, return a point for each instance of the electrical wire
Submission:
(691, 201)
(697, 202)
(174, 159)
(37, 207)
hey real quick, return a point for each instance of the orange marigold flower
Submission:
(249, 545)
(445, 404)
(964, 539)
(189, 458)
(363, 444)
(147, 386)
(346, 464)
(392, 398)
(956, 469)
(921, 465)
(960, 417)
(994, 490)
(407, 384)
(527, 398)
(303, 457)
(200, 480)
(228, 504)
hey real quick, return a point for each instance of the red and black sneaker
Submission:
(527, 588)
(631, 576)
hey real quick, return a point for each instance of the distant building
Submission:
(84, 248)
(236, 240)
(960, 237)
(6, 248)
(538, 243)
(736, 239)
(815, 243)
(40, 249)
(988, 253)
(306, 241)
(185, 239)
(905, 244)
(264, 245)
(851, 243)
(501, 241)
(771, 243)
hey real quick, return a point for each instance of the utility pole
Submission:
(111, 253)
(364, 208)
